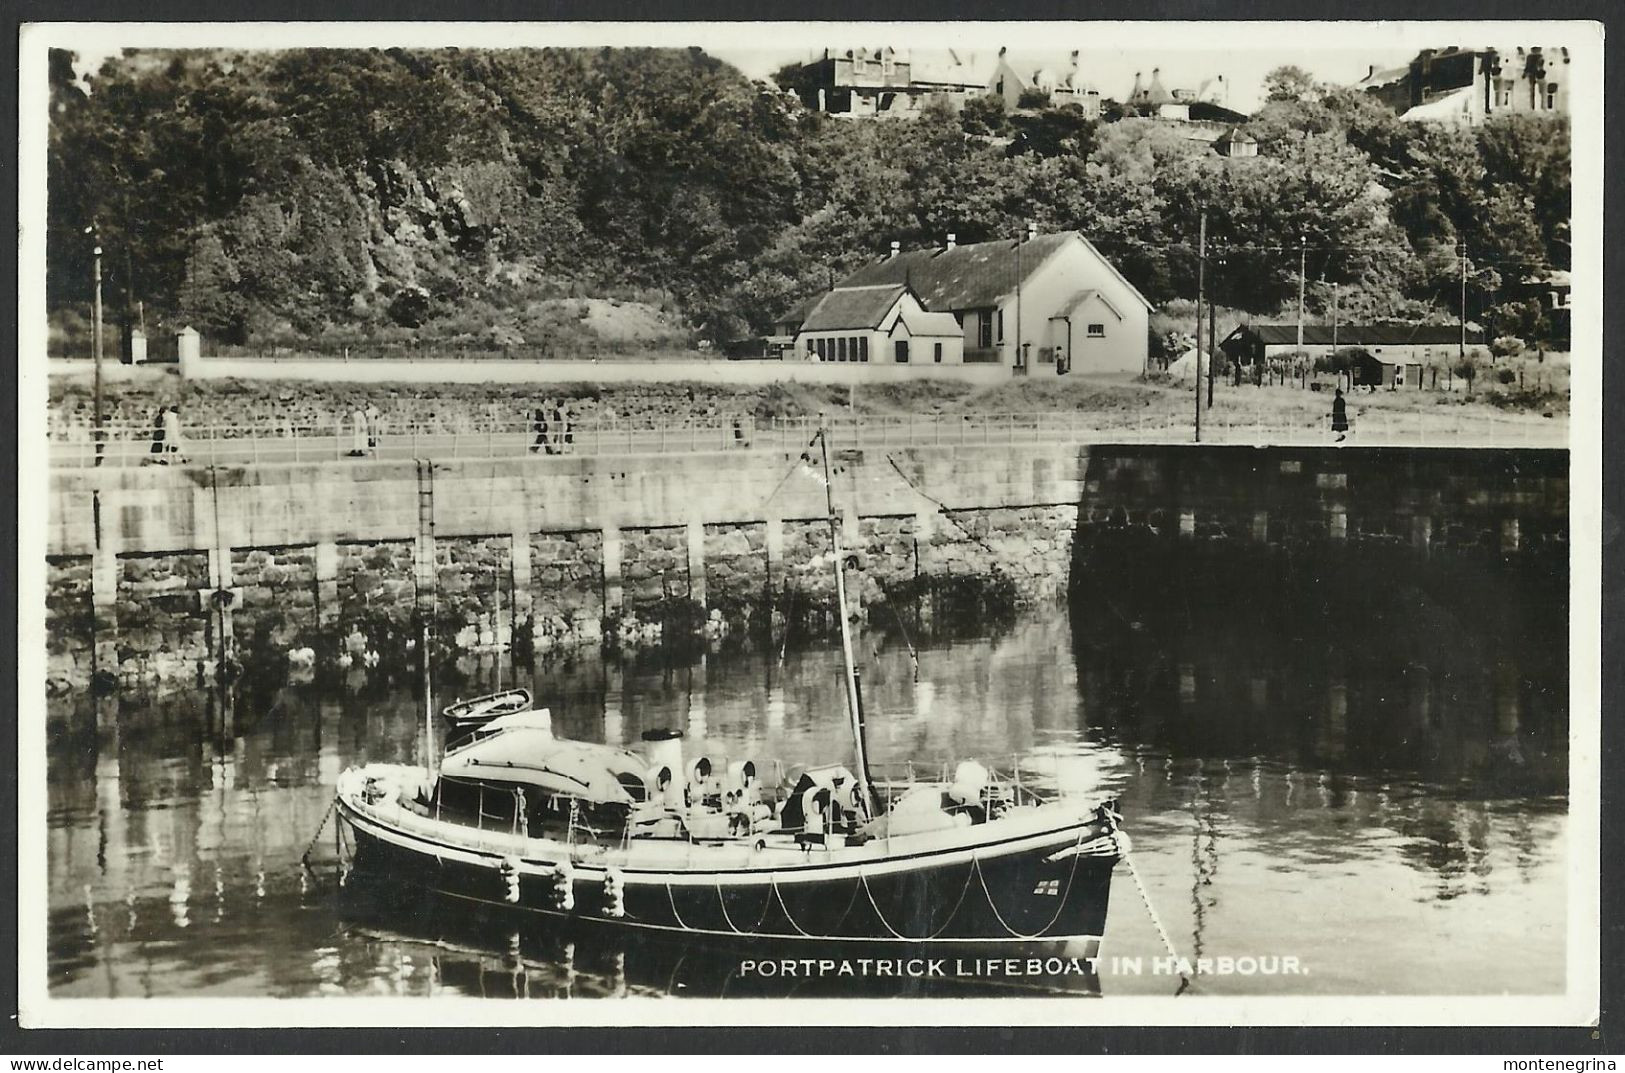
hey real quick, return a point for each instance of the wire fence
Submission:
(270, 443)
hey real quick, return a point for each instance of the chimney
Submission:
(952, 241)
(896, 247)
(1032, 230)
(1371, 69)
(1074, 57)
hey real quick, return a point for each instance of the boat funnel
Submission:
(664, 749)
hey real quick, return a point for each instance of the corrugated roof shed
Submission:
(1363, 334)
(853, 307)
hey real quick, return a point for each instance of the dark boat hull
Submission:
(1039, 893)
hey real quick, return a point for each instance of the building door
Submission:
(902, 351)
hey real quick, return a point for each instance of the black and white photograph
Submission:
(996, 523)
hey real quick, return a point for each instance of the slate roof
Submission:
(1362, 334)
(853, 306)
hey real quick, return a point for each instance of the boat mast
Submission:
(854, 704)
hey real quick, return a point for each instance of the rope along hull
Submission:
(1048, 888)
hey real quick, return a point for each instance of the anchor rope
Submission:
(1151, 910)
(332, 805)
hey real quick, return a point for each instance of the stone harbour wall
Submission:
(162, 572)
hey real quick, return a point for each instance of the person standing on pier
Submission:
(1340, 416)
(567, 424)
(172, 435)
(358, 433)
(374, 431)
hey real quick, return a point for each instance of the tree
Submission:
(1289, 83)
(1055, 132)
(984, 115)
(1033, 97)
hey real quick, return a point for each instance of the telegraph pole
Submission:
(1461, 348)
(1303, 260)
(1201, 268)
(96, 342)
(1212, 344)
(1334, 336)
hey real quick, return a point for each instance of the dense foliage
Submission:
(324, 197)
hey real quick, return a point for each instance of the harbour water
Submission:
(1307, 823)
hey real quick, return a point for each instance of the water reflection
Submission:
(1386, 821)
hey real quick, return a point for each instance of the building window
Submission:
(1001, 326)
(840, 349)
(984, 330)
(1097, 331)
(902, 351)
(863, 348)
(936, 354)
(1551, 95)
(821, 355)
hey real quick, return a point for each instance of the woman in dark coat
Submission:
(1340, 416)
(158, 434)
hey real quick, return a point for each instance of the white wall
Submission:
(464, 371)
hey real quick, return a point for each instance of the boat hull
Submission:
(1039, 887)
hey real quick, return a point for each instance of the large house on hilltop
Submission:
(1045, 303)
(1468, 85)
(1060, 88)
(886, 81)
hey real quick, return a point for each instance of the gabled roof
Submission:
(797, 313)
(1081, 297)
(849, 306)
(923, 323)
(1360, 334)
(978, 275)
(1233, 133)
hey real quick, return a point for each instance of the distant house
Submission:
(880, 323)
(1010, 82)
(1048, 302)
(885, 81)
(1392, 345)
(781, 342)
(1235, 142)
(1468, 85)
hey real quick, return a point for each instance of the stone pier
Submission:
(158, 571)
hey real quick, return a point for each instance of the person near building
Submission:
(172, 435)
(1340, 416)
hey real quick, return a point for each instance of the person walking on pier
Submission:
(567, 425)
(538, 425)
(1340, 416)
(158, 435)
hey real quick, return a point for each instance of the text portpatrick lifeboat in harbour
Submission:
(662, 841)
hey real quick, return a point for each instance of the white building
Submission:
(1047, 303)
(880, 323)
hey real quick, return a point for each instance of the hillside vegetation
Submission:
(471, 199)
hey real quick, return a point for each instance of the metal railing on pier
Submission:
(73, 445)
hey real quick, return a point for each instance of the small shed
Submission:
(1392, 371)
